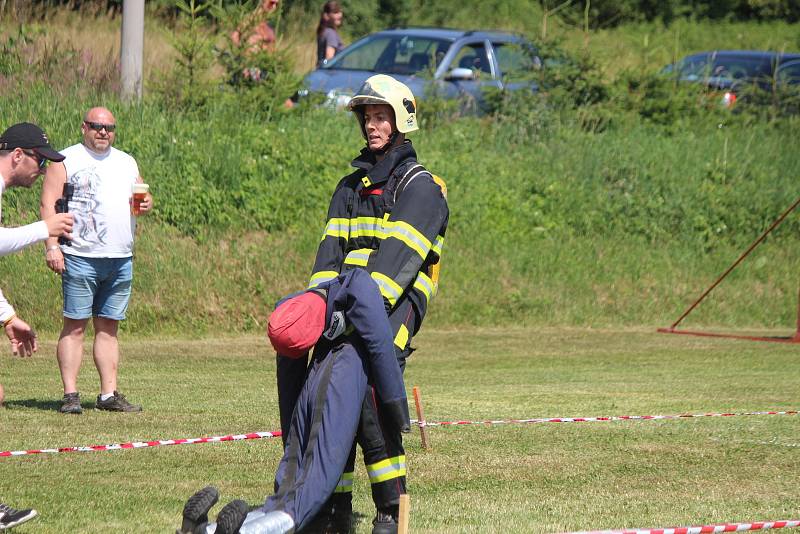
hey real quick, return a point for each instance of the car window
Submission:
(742, 68)
(473, 56)
(517, 62)
(392, 55)
(790, 73)
(693, 68)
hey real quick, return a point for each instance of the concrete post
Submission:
(132, 49)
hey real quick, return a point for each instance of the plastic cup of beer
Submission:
(139, 194)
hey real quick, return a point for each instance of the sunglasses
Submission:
(41, 161)
(98, 126)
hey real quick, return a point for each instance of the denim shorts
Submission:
(96, 286)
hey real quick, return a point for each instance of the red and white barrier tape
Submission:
(277, 433)
(726, 527)
(144, 444)
(595, 419)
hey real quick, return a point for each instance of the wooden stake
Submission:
(421, 418)
(403, 516)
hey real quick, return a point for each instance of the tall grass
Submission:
(619, 227)
(598, 216)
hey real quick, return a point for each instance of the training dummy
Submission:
(346, 318)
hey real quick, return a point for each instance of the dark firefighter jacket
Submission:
(390, 218)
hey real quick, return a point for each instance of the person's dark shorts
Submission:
(99, 287)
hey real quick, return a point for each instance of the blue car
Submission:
(729, 72)
(447, 63)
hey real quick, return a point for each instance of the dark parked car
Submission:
(451, 63)
(732, 71)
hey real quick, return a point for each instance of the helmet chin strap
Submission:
(385, 148)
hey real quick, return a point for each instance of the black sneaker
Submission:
(195, 511)
(385, 521)
(231, 517)
(71, 403)
(117, 403)
(10, 517)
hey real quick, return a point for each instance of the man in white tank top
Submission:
(96, 266)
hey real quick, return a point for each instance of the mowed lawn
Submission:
(545, 477)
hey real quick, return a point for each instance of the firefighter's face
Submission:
(378, 124)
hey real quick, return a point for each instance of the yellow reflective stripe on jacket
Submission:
(401, 338)
(358, 257)
(410, 236)
(425, 285)
(389, 288)
(345, 484)
(366, 227)
(322, 276)
(438, 244)
(387, 469)
(337, 227)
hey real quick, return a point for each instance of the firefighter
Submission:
(345, 316)
(389, 218)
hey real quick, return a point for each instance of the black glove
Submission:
(396, 415)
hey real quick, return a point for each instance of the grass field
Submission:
(508, 478)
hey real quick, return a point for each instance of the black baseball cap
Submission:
(27, 135)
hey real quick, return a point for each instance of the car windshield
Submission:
(727, 67)
(392, 54)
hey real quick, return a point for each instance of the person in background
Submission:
(329, 42)
(96, 267)
(261, 34)
(24, 153)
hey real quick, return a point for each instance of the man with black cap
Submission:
(24, 154)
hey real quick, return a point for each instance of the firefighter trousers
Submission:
(382, 447)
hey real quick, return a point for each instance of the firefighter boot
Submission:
(385, 521)
(340, 521)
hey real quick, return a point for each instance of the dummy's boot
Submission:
(195, 511)
(231, 517)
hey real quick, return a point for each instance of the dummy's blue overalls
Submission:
(356, 351)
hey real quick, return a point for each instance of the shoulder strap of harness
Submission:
(441, 183)
(408, 177)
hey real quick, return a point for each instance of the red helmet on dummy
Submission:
(295, 325)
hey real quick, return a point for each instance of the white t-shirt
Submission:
(12, 240)
(104, 226)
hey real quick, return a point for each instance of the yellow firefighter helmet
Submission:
(383, 89)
